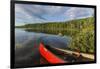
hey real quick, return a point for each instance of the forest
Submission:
(80, 30)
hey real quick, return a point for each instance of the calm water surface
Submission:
(22, 38)
(27, 46)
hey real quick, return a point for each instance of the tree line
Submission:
(80, 30)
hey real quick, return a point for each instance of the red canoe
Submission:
(49, 56)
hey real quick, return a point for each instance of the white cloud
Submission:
(76, 12)
(44, 13)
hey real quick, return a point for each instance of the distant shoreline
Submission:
(81, 31)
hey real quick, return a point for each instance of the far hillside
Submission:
(80, 30)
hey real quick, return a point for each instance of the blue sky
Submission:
(28, 13)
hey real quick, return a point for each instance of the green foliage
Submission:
(84, 39)
(81, 31)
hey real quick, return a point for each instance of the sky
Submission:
(29, 13)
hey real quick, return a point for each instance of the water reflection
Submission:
(22, 37)
(27, 46)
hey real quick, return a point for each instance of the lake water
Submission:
(27, 46)
(23, 38)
